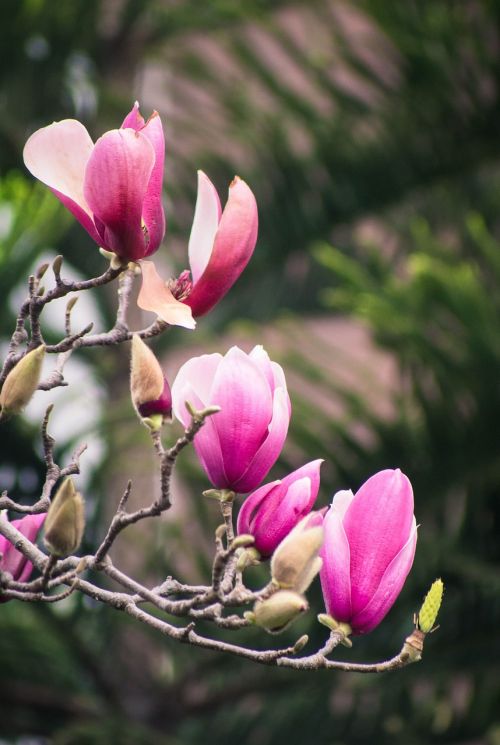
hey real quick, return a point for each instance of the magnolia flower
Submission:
(12, 560)
(238, 445)
(370, 540)
(273, 510)
(114, 187)
(220, 246)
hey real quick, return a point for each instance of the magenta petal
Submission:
(377, 524)
(209, 451)
(388, 590)
(134, 119)
(270, 449)
(233, 247)
(252, 505)
(116, 181)
(152, 211)
(13, 560)
(242, 392)
(335, 573)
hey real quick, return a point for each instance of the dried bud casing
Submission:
(295, 562)
(149, 388)
(21, 383)
(65, 521)
(278, 611)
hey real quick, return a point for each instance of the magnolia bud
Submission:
(295, 562)
(65, 521)
(149, 388)
(21, 383)
(275, 613)
(430, 607)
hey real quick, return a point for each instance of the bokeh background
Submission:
(370, 133)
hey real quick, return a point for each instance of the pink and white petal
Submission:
(197, 375)
(270, 449)
(57, 155)
(232, 249)
(310, 471)
(205, 223)
(134, 119)
(341, 501)
(157, 298)
(388, 590)
(335, 572)
(116, 181)
(243, 394)
(377, 524)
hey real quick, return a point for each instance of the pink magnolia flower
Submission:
(114, 187)
(238, 445)
(12, 560)
(220, 246)
(370, 540)
(273, 510)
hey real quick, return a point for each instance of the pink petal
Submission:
(243, 394)
(116, 181)
(251, 506)
(206, 221)
(389, 588)
(335, 572)
(152, 210)
(156, 297)
(14, 561)
(270, 449)
(273, 372)
(209, 451)
(57, 155)
(233, 247)
(377, 524)
(195, 376)
(134, 119)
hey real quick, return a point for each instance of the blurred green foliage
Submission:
(370, 126)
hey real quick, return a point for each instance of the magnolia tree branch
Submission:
(222, 600)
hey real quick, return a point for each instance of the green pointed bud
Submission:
(41, 270)
(295, 562)
(300, 644)
(278, 611)
(430, 607)
(22, 382)
(65, 521)
(57, 265)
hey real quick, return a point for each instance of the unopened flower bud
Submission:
(295, 562)
(65, 521)
(430, 607)
(149, 388)
(275, 613)
(21, 382)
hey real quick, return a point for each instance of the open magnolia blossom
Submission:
(112, 187)
(220, 246)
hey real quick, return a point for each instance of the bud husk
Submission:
(339, 626)
(278, 611)
(430, 607)
(65, 522)
(22, 382)
(295, 562)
